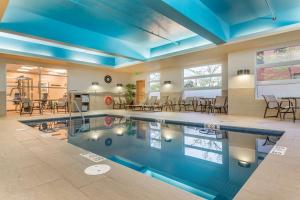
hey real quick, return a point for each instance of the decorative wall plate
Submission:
(107, 79)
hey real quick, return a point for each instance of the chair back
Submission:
(145, 101)
(45, 96)
(189, 100)
(152, 100)
(220, 100)
(164, 100)
(61, 102)
(116, 100)
(26, 102)
(123, 100)
(271, 101)
(201, 101)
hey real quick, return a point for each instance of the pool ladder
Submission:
(79, 110)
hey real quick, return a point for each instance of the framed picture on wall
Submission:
(44, 87)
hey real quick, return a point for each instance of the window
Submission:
(278, 72)
(155, 135)
(202, 146)
(204, 155)
(203, 81)
(154, 84)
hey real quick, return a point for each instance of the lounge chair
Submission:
(123, 102)
(279, 106)
(174, 101)
(140, 105)
(151, 103)
(271, 104)
(188, 103)
(162, 103)
(116, 103)
(219, 103)
(201, 103)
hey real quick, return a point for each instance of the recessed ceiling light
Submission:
(60, 71)
(29, 68)
(23, 70)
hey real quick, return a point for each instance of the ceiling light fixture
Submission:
(23, 70)
(59, 71)
(28, 68)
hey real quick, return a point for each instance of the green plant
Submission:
(130, 93)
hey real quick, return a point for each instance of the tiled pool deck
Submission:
(36, 167)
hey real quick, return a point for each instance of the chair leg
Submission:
(294, 115)
(266, 112)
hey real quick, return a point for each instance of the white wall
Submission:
(81, 79)
(241, 60)
(241, 89)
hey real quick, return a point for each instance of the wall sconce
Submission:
(119, 85)
(243, 72)
(244, 164)
(167, 82)
(95, 83)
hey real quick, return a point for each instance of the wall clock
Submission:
(107, 79)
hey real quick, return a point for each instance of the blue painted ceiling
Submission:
(114, 32)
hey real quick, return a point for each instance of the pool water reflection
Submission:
(213, 164)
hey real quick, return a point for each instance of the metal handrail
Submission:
(79, 110)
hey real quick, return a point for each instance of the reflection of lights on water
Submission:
(119, 130)
(168, 138)
(94, 136)
(244, 164)
(168, 134)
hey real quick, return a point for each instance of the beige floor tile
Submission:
(55, 190)
(74, 174)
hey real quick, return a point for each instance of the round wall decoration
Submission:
(107, 79)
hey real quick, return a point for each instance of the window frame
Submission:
(154, 81)
(274, 64)
(202, 76)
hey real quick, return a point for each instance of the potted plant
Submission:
(130, 93)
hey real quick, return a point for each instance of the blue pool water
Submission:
(213, 164)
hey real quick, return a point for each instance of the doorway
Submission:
(140, 91)
(33, 86)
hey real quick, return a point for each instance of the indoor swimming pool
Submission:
(209, 161)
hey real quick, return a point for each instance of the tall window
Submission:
(278, 72)
(203, 80)
(154, 84)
